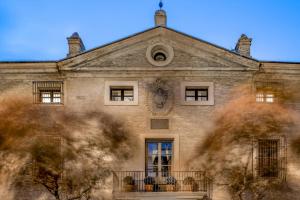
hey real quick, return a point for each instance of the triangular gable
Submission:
(193, 47)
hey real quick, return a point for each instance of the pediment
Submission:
(130, 54)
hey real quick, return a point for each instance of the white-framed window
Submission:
(197, 93)
(118, 93)
(48, 92)
(121, 93)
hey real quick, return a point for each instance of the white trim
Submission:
(209, 85)
(109, 84)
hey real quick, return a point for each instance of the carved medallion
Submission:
(160, 98)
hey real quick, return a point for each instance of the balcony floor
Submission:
(159, 195)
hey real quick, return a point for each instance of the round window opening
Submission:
(159, 57)
(160, 54)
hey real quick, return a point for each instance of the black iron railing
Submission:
(178, 181)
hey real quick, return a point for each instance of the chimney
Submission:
(243, 46)
(76, 45)
(160, 18)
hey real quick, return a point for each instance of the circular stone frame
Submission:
(160, 48)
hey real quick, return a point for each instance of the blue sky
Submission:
(37, 29)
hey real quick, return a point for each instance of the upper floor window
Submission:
(263, 96)
(268, 92)
(48, 92)
(121, 94)
(197, 93)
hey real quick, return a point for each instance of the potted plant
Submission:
(149, 182)
(189, 184)
(171, 184)
(128, 184)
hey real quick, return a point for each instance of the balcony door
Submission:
(159, 157)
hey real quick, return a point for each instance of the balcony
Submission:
(162, 185)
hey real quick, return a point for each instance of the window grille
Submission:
(48, 92)
(55, 141)
(265, 96)
(268, 92)
(271, 158)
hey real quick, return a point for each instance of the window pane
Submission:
(46, 100)
(128, 98)
(259, 97)
(153, 172)
(45, 97)
(46, 94)
(56, 97)
(166, 147)
(202, 98)
(116, 99)
(56, 94)
(153, 160)
(190, 93)
(202, 93)
(190, 98)
(128, 93)
(56, 100)
(166, 153)
(152, 148)
(116, 93)
(166, 160)
(269, 98)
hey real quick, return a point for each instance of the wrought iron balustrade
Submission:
(175, 181)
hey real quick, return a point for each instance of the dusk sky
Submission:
(37, 29)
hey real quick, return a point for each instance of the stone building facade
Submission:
(163, 84)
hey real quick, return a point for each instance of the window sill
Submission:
(50, 104)
(118, 103)
(195, 103)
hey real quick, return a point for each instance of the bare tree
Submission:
(227, 152)
(72, 154)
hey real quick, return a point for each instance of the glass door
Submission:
(159, 156)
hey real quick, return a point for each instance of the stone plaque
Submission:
(159, 124)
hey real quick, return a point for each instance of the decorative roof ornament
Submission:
(161, 4)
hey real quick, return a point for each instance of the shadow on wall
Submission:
(64, 154)
(233, 151)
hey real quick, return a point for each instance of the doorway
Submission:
(159, 158)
